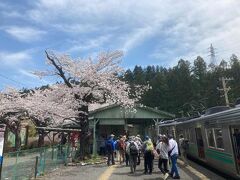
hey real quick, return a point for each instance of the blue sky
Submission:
(156, 32)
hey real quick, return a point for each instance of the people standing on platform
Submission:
(148, 155)
(110, 148)
(102, 150)
(139, 143)
(159, 138)
(162, 148)
(173, 153)
(183, 143)
(133, 151)
(121, 146)
(126, 154)
(116, 145)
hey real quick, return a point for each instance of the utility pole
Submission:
(225, 89)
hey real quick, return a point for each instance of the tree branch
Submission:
(61, 73)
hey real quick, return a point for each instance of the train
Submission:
(214, 138)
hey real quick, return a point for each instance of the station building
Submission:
(117, 120)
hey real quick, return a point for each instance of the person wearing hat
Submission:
(148, 155)
(139, 143)
(110, 147)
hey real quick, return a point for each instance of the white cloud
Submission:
(137, 37)
(27, 73)
(177, 29)
(32, 79)
(90, 44)
(26, 34)
(14, 59)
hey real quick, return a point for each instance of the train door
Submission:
(200, 144)
(235, 136)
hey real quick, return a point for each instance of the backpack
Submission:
(121, 144)
(109, 146)
(149, 146)
(117, 147)
(133, 149)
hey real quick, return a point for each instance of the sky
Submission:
(156, 32)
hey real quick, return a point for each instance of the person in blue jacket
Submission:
(110, 148)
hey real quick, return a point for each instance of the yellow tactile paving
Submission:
(194, 171)
(107, 173)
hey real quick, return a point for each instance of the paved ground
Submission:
(120, 172)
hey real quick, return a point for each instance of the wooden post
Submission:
(26, 137)
(36, 164)
(95, 121)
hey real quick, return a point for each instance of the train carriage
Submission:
(214, 138)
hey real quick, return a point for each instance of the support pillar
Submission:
(156, 121)
(95, 121)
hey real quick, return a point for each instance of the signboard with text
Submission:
(2, 131)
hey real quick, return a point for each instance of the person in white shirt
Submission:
(162, 148)
(173, 152)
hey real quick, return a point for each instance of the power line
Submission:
(19, 83)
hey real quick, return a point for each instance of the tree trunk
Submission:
(40, 139)
(18, 138)
(85, 134)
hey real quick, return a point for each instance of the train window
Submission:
(219, 138)
(210, 137)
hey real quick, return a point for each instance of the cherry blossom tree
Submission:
(88, 81)
(85, 82)
(49, 107)
(12, 111)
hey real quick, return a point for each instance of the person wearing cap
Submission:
(148, 155)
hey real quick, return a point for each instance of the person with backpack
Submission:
(173, 153)
(132, 150)
(148, 155)
(183, 149)
(121, 147)
(126, 154)
(139, 143)
(110, 148)
(162, 149)
(116, 153)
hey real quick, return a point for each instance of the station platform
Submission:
(120, 172)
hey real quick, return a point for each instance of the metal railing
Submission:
(27, 164)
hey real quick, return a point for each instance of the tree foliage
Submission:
(187, 89)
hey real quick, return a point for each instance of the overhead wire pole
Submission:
(225, 89)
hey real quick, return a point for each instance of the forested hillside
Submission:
(187, 89)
